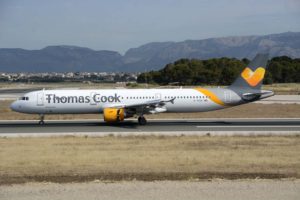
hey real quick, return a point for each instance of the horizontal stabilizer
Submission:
(257, 95)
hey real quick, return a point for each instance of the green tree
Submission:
(222, 71)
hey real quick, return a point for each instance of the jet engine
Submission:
(113, 114)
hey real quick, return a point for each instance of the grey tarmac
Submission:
(287, 126)
(164, 190)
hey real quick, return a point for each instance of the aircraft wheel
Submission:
(142, 120)
(42, 117)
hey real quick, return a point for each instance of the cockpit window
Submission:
(24, 98)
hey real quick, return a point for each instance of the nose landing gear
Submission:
(42, 117)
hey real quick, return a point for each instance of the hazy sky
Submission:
(122, 24)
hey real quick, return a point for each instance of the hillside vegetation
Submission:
(220, 71)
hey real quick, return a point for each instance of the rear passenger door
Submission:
(227, 96)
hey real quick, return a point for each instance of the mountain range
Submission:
(151, 56)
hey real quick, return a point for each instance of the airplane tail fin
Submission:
(252, 76)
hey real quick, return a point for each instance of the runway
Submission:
(153, 127)
(159, 190)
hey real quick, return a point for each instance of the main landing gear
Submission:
(42, 117)
(142, 120)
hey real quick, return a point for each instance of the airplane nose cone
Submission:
(14, 106)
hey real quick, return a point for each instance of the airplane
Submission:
(119, 104)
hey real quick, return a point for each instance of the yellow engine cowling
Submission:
(113, 114)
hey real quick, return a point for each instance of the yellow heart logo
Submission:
(253, 78)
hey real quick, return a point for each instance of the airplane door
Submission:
(227, 96)
(40, 98)
(157, 96)
(92, 102)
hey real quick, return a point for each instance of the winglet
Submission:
(171, 100)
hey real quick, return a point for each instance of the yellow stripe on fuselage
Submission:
(212, 96)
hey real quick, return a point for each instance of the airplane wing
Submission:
(147, 106)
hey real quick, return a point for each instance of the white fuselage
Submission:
(94, 101)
